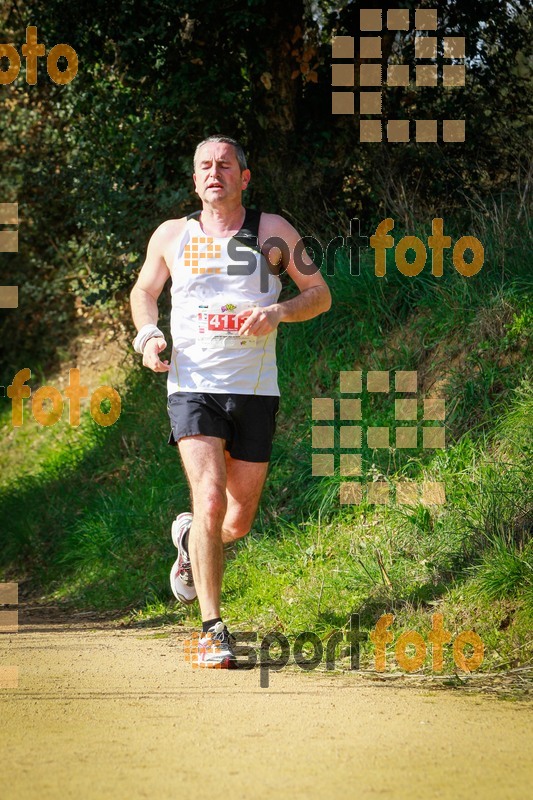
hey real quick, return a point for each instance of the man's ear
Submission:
(245, 176)
(194, 180)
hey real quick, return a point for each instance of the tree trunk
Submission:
(276, 92)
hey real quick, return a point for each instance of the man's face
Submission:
(217, 174)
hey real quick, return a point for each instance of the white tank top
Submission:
(208, 355)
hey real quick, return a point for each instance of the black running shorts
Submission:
(246, 422)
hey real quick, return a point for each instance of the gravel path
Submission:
(103, 712)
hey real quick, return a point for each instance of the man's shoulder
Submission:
(164, 238)
(274, 225)
(170, 228)
(273, 219)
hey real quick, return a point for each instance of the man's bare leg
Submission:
(244, 485)
(225, 496)
(205, 465)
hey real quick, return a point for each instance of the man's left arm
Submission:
(314, 297)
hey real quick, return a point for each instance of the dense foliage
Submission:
(97, 164)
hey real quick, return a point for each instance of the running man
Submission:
(222, 384)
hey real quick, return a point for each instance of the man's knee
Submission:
(239, 520)
(235, 530)
(209, 506)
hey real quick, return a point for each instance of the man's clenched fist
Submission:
(151, 351)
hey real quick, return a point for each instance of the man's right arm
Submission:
(144, 295)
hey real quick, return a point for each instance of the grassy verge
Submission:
(87, 511)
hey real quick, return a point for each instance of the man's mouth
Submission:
(215, 186)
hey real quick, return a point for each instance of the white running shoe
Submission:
(215, 648)
(181, 578)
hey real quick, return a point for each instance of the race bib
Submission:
(218, 325)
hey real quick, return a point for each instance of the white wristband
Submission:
(146, 332)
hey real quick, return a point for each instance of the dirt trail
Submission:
(103, 712)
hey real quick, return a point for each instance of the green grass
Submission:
(88, 511)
